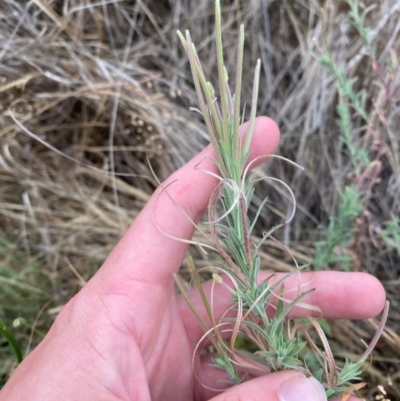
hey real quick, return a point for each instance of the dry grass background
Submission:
(89, 87)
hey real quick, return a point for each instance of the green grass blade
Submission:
(11, 340)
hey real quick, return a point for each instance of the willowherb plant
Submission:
(340, 230)
(279, 339)
(344, 230)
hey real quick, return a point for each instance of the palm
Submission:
(166, 349)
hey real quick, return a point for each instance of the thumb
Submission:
(279, 386)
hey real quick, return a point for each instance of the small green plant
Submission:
(279, 341)
(340, 231)
(391, 236)
(344, 229)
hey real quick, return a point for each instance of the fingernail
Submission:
(302, 389)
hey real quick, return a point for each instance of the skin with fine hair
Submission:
(127, 335)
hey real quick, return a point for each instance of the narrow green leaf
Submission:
(221, 70)
(194, 309)
(11, 340)
(238, 86)
(253, 111)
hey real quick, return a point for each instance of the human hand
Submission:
(127, 335)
